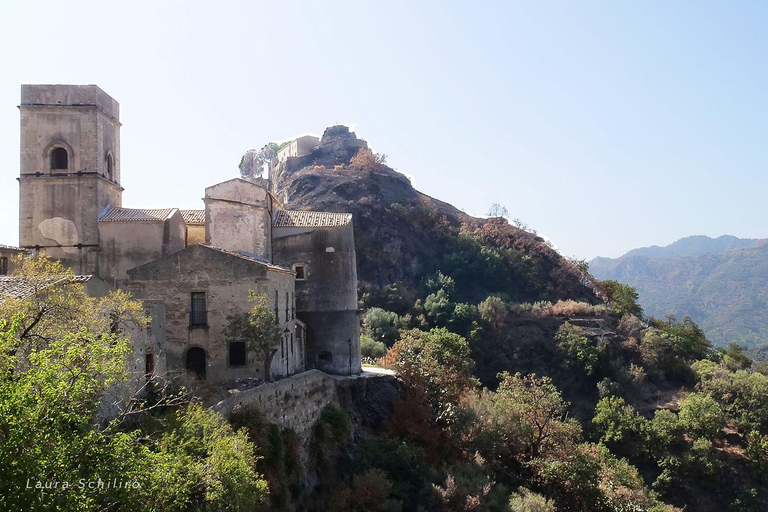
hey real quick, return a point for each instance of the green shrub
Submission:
(577, 349)
(528, 501)
(331, 430)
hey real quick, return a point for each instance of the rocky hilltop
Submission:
(403, 235)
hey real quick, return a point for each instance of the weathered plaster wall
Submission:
(59, 209)
(238, 217)
(125, 245)
(226, 280)
(84, 119)
(195, 234)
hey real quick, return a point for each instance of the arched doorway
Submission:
(196, 362)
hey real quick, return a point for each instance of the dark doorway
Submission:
(196, 362)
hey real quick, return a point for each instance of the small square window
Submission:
(300, 271)
(236, 353)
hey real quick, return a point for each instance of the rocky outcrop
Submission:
(337, 147)
(403, 235)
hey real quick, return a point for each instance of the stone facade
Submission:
(193, 268)
(70, 170)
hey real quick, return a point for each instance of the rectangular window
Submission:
(236, 353)
(198, 317)
(149, 364)
(3, 266)
(277, 307)
(287, 309)
(293, 306)
(300, 274)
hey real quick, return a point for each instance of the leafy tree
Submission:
(615, 420)
(757, 449)
(672, 347)
(701, 416)
(367, 160)
(742, 394)
(621, 297)
(589, 477)
(253, 161)
(734, 358)
(382, 325)
(204, 457)
(525, 414)
(55, 304)
(496, 210)
(464, 319)
(662, 432)
(50, 404)
(438, 308)
(439, 281)
(258, 328)
(438, 363)
(493, 311)
(369, 491)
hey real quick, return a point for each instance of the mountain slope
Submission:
(403, 235)
(724, 289)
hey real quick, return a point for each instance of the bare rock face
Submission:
(337, 147)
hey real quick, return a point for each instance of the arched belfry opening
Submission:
(110, 167)
(195, 362)
(59, 159)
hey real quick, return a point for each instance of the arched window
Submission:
(110, 168)
(59, 159)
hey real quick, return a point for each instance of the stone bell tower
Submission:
(70, 170)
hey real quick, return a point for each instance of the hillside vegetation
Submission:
(528, 385)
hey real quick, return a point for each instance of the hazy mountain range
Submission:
(722, 283)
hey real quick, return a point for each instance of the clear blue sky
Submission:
(604, 125)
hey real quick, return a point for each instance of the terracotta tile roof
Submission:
(250, 257)
(135, 214)
(19, 288)
(301, 219)
(12, 248)
(193, 216)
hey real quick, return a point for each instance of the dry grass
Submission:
(564, 308)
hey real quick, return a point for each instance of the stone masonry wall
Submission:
(295, 402)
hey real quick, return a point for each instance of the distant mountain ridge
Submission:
(696, 245)
(722, 283)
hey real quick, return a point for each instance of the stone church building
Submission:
(192, 268)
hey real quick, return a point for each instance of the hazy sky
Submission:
(604, 125)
